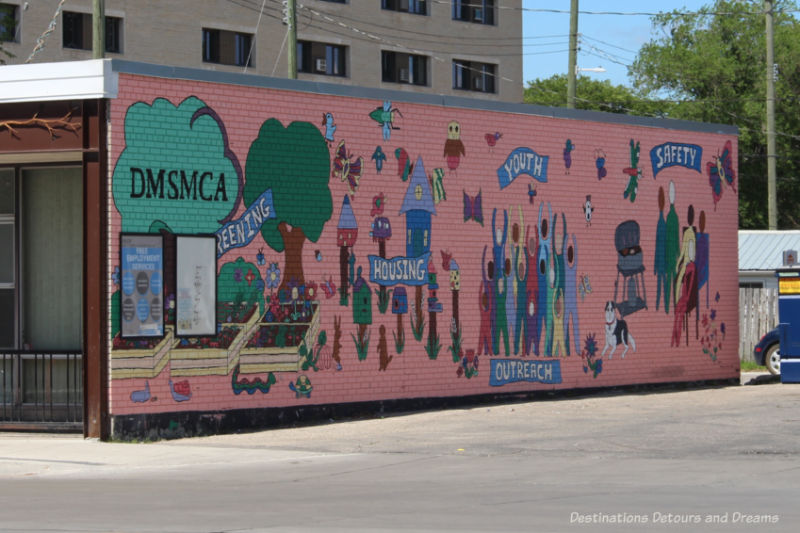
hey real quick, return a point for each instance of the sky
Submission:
(607, 41)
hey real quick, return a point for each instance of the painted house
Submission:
(170, 237)
(418, 208)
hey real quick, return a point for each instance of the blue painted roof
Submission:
(347, 219)
(763, 250)
(410, 202)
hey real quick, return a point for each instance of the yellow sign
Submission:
(788, 285)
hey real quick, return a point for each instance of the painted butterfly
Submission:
(719, 170)
(346, 169)
(472, 208)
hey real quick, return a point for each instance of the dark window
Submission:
(751, 284)
(417, 7)
(474, 76)
(397, 67)
(477, 11)
(77, 32)
(8, 23)
(227, 47)
(321, 58)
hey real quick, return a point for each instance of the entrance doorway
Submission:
(41, 291)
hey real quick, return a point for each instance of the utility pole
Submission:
(98, 29)
(291, 53)
(572, 68)
(772, 198)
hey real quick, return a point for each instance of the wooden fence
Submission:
(758, 313)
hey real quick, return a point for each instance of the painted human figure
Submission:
(688, 249)
(684, 299)
(521, 276)
(532, 293)
(485, 306)
(702, 256)
(543, 272)
(660, 260)
(499, 238)
(500, 317)
(559, 342)
(672, 246)
(571, 296)
(558, 280)
(511, 277)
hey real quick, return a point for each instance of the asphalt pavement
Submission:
(706, 459)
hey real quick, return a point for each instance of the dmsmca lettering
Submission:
(177, 186)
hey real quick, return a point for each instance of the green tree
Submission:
(294, 163)
(591, 95)
(712, 65)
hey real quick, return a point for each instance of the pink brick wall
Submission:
(423, 130)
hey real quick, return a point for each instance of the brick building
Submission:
(189, 251)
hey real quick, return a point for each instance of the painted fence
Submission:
(374, 248)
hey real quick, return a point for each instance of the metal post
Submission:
(772, 202)
(98, 29)
(292, 52)
(572, 70)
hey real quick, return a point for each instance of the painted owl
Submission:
(453, 147)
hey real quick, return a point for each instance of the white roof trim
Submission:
(68, 80)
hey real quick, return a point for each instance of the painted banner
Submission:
(671, 154)
(404, 270)
(522, 161)
(240, 232)
(505, 371)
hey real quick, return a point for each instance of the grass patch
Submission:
(750, 366)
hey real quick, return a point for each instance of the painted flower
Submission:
(273, 276)
(115, 275)
(311, 290)
(237, 275)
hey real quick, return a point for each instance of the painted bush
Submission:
(527, 252)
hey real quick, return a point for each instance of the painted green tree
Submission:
(712, 66)
(294, 163)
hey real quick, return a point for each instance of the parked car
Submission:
(768, 352)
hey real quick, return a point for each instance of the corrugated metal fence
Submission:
(758, 313)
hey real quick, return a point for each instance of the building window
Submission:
(227, 47)
(474, 76)
(77, 32)
(9, 22)
(321, 58)
(404, 68)
(751, 284)
(417, 7)
(41, 212)
(477, 11)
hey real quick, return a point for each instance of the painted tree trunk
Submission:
(293, 241)
(343, 264)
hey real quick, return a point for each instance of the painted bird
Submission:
(453, 147)
(330, 127)
(492, 138)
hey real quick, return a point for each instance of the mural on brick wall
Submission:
(333, 275)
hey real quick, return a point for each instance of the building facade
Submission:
(449, 48)
(190, 252)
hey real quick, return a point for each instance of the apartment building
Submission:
(450, 47)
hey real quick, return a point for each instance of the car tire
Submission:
(772, 359)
